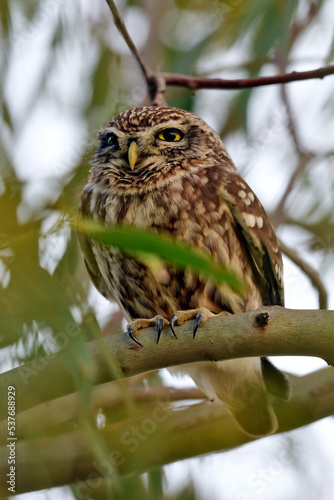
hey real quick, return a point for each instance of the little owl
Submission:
(165, 169)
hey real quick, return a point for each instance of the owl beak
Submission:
(133, 154)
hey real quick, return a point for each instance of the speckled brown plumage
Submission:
(186, 187)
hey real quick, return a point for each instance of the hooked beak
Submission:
(133, 154)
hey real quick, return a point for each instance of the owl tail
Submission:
(255, 415)
(240, 385)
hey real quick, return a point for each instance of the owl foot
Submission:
(158, 321)
(200, 315)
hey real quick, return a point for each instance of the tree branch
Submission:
(196, 83)
(311, 273)
(155, 84)
(289, 332)
(62, 414)
(304, 158)
(128, 40)
(131, 446)
(277, 216)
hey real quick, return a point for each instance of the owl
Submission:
(164, 169)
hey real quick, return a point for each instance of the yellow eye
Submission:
(170, 135)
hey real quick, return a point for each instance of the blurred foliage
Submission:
(149, 487)
(148, 245)
(67, 59)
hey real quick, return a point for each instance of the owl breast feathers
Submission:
(166, 170)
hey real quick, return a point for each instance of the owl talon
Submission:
(137, 324)
(132, 335)
(172, 324)
(200, 315)
(200, 318)
(159, 324)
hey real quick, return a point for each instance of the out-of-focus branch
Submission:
(131, 446)
(291, 122)
(289, 332)
(299, 26)
(277, 215)
(312, 274)
(304, 157)
(53, 416)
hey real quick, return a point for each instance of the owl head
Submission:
(145, 148)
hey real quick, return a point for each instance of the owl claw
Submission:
(172, 322)
(199, 320)
(200, 315)
(132, 335)
(137, 324)
(159, 325)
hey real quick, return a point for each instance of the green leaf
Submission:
(137, 241)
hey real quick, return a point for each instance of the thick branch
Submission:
(289, 332)
(196, 83)
(131, 446)
(62, 414)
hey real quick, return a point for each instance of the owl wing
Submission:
(257, 236)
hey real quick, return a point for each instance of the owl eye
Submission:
(170, 135)
(111, 139)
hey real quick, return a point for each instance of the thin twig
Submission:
(195, 83)
(311, 273)
(278, 214)
(128, 40)
(300, 26)
(158, 94)
(291, 121)
(154, 84)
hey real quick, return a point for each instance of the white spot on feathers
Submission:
(259, 222)
(250, 219)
